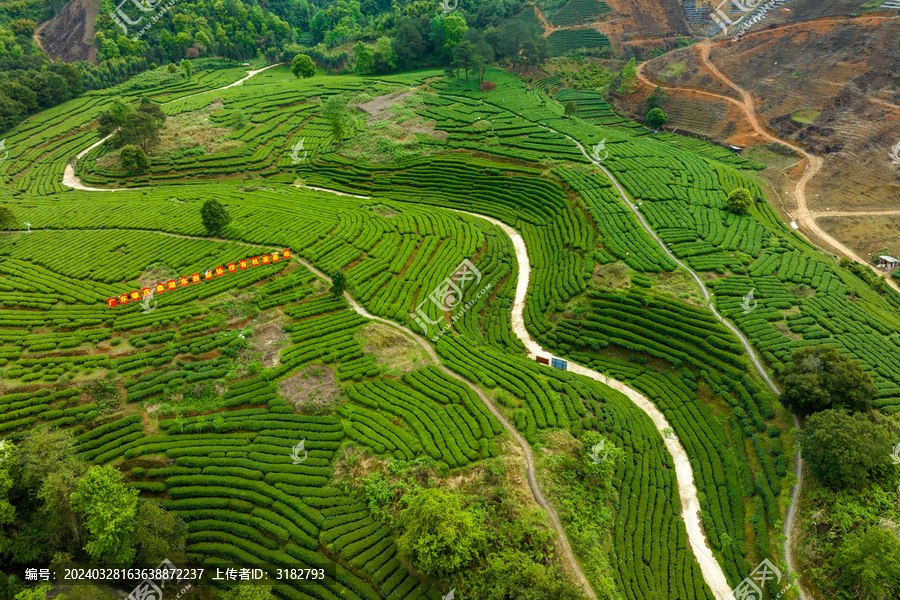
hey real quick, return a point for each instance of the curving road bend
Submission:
(813, 163)
(794, 495)
(571, 562)
(687, 491)
(69, 178)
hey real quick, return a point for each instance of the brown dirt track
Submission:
(844, 68)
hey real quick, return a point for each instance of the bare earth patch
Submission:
(380, 103)
(270, 337)
(396, 352)
(311, 390)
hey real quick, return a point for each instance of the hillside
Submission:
(448, 302)
(839, 100)
(69, 35)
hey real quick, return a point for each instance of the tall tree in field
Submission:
(844, 450)
(214, 216)
(656, 118)
(109, 510)
(740, 201)
(133, 159)
(112, 119)
(303, 66)
(7, 218)
(820, 378)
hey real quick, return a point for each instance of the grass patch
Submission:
(806, 115)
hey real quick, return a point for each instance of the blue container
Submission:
(558, 363)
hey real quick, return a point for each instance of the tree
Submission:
(656, 118)
(109, 510)
(454, 29)
(23, 27)
(438, 534)
(867, 564)
(237, 119)
(139, 128)
(7, 218)
(820, 378)
(111, 120)
(7, 510)
(188, 69)
(303, 66)
(338, 281)
(571, 108)
(513, 574)
(464, 55)
(152, 110)
(740, 201)
(408, 44)
(214, 216)
(627, 76)
(656, 99)
(171, 68)
(158, 534)
(335, 112)
(384, 55)
(133, 159)
(365, 58)
(844, 449)
(36, 593)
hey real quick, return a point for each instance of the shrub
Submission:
(487, 86)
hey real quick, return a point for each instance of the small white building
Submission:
(888, 263)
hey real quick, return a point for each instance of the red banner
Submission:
(185, 280)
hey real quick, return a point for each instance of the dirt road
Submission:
(69, 178)
(805, 217)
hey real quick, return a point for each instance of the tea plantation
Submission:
(212, 405)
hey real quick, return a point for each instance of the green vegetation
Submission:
(223, 378)
(806, 115)
(303, 66)
(656, 118)
(439, 536)
(844, 450)
(820, 378)
(214, 216)
(739, 201)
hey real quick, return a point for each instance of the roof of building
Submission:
(889, 258)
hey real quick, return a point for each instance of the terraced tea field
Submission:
(518, 235)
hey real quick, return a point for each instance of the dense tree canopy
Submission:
(214, 216)
(843, 450)
(869, 564)
(109, 510)
(819, 378)
(303, 66)
(133, 159)
(7, 218)
(439, 534)
(656, 118)
(740, 201)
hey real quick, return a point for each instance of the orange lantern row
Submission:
(185, 281)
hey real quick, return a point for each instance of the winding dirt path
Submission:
(531, 475)
(799, 191)
(804, 216)
(687, 490)
(69, 177)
